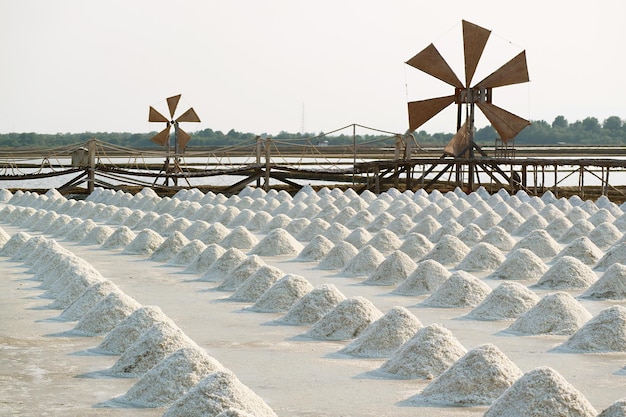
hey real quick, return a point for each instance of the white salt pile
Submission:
(145, 243)
(478, 378)
(195, 230)
(79, 232)
(384, 336)
(214, 234)
(533, 223)
(461, 289)
(296, 226)
(12, 246)
(471, 235)
(119, 239)
(605, 235)
(241, 219)
(171, 378)
(127, 331)
(240, 273)
(338, 256)
(220, 392)
(557, 313)
(428, 353)
(567, 273)
(259, 282)
(508, 300)
(606, 332)
(511, 221)
(617, 409)
(426, 278)
(316, 227)
(97, 236)
(361, 219)
(358, 237)
(541, 392)
(90, 297)
(276, 243)
(149, 349)
(426, 226)
(281, 296)
(385, 241)
(558, 227)
(312, 306)
(520, 264)
(487, 220)
(582, 249)
(580, 228)
(394, 269)
(367, 260)
(336, 232)
(416, 246)
(482, 257)
(540, 243)
(169, 247)
(448, 251)
(615, 254)
(449, 228)
(187, 254)
(71, 284)
(106, 314)
(239, 238)
(316, 249)
(401, 225)
(279, 221)
(221, 267)
(346, 321)
(59, 224)
(203, 261)
(611, 286)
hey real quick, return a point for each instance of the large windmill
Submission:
(467, 95)
(181, 138)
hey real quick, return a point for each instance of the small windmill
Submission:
(181, 138)
(466, 95)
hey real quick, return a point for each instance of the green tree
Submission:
(560, 122)
(612, 123)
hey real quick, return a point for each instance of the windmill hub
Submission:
(472, 95)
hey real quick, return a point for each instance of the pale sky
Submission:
(264, 66)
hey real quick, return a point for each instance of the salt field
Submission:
(324, 303)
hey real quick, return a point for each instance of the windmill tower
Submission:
(181, 138)
(468, 96)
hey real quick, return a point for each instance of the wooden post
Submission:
(556, 181)
(259, 142)
(581, 182)
(268, 142)
(376, 179)
(91, 173)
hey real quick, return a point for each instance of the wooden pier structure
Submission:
(267, 164)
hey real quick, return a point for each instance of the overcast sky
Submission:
(264, 66)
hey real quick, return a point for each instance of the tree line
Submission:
(587, 132)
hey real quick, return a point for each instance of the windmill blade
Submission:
(183, 139)
(505, 123)
(513, 72)
(162, 137)
(155, 116)
(431, 62)
(172, 103)
(474, 41)
(188, 116)
(459, 144)
(423, 110)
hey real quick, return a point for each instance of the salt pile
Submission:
(401, 225)
(316, 249)
(239, 238)
(606, 332)
(540, 243)
(218, 393)
(59, 224)
(346, 321)
(426, 278)
(297, 225)
(205, 259)
(240, 273)
(279, 221)
(535, 222)
(478, 378)
(312, 306)
(508, 300)
(541, 392)
(338, 256)
(221, 267)
(149, 349)
(316, 227)
(582, 249)
(90, 297)
(612, 285)
(557, 313)
(71, 284)
(617, 409)
(605, 235)
(171, 378)
(363, 263)
(385, 241)
(449, 250)
(616, 254)
(241, 219)
(428, 353)
(259, 282)
(384, 336)
(336, 232)
(567, 273)
(281, 296)
(97, 236)
(119, 239)
(482, 257)
(580, 228)
(471, 235)
(145, 243)
(511, 221)
(214, 234)
(169, 247)
(277, 242)
(80, 231)
(12, 246)
(187, 254)
(487, 220)
(447, 229)
(360, 219)
(558, 227)
(520, 264)
(106, 314)
(461, 289)
(426, 226)
(392, 270)
(195, 230)
(127, 331)
(416, 246)
(358, 237)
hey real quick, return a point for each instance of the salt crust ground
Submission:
(34, 220)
